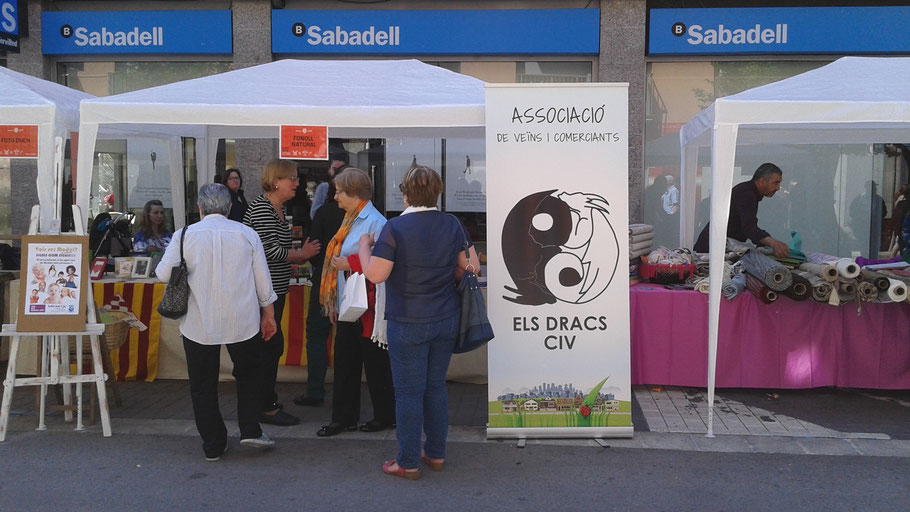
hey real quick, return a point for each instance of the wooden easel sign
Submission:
(52, 291)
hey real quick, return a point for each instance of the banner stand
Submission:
(557, 239)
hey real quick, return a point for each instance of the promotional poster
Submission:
(557, 284)
(148, 172)
(53, 279)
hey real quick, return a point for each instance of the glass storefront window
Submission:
(827, 189)
(107, 78)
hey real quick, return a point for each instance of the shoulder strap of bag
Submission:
(182, 235)
(467, 255)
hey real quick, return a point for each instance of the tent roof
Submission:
(853, 99)
(31, 100)
(377, 94)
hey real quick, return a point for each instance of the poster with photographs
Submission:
(52, 294)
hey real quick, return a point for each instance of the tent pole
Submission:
(723, 152)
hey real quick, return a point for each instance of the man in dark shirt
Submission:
(743, 221)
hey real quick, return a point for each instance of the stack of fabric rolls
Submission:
(641, 239)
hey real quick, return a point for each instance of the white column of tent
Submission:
(723, 152)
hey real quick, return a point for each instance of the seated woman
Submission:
(153, 235)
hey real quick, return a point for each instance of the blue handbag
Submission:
(475, 329)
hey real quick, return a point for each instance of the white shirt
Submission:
(670, 199)
(228, 276)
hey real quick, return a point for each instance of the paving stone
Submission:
(769, 444)
(821, 446)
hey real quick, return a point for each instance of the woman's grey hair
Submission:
(214, 198)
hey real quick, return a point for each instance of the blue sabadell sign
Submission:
(128, 32)
(436, 32)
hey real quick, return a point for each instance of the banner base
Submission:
(560, 433)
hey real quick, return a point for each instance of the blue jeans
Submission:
(420, 355)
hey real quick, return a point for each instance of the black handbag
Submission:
(475, 329)
(177, 292)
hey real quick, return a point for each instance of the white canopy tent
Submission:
(851, 100)
(352, 98)
(27, 100)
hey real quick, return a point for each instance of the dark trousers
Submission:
(354, 353)
(318, 328)
(271, 354)
(202, 364)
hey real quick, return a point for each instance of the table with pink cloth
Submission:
(785, 344)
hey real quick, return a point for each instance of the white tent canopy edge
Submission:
(853, 99)
(54, 108)
(352, 98)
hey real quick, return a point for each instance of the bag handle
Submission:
(467, 255)
(182, 235)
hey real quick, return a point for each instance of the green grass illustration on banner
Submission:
(584, 412)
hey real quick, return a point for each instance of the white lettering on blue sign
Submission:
(8, 19)
(104, 37)
(722, 35)
(316, 36)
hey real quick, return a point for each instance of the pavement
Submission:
(824, 421)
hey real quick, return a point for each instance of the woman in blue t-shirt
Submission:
(419, 255)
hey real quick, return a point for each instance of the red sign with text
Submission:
(305, 142)
(18, 141)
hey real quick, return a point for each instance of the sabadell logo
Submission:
(337, 36)
(754, 34)
(153, 36)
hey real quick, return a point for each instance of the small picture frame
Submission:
(156, 259)
(297, 232)
(142, 267)
(97, 270)
(123, 266)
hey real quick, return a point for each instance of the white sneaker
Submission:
(262, 441)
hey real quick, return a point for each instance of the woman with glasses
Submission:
(267, 216)
(234, 183)
(354, 350)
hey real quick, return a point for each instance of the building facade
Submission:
(676, 55)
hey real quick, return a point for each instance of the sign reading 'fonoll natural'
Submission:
(305, 142)
(18, 141)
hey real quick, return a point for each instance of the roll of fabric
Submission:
(826, 271)
(846, 286)
(879, 280)
(761, 291)
(821, 258)
(821, 289)
(773, 274)
(847, 267)
(736, 286)
(702, 285)
(866, 291)
(638, 254)
(897, 291)
(637, 229)
(800, 290)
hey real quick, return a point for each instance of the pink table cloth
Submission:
(785, 344)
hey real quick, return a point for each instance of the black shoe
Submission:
(375, 426)
(280, 418)
(334, 429)
(308, 401)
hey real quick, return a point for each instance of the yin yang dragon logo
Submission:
(559, 246)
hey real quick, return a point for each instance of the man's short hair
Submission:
(214, 198)
(765, 171)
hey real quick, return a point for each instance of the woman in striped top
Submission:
(268, 217)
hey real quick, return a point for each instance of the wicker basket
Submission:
(115, 333)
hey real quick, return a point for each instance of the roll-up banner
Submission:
(557, 286)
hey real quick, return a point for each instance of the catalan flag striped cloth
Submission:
(137, 359)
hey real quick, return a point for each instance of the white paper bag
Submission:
(354, 299)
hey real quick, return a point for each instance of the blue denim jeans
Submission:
(420, 355)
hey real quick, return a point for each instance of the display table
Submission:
(785, 344)
(158, 351)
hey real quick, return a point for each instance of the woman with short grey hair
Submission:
(223, 258)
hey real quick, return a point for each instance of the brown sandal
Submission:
(412, 474)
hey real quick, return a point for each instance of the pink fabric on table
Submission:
(785, 344)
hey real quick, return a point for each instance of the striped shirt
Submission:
(276, 240)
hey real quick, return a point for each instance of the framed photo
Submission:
(156, 259)
(52, 294)
(97, 270)
(142, 266)
(123, 267)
